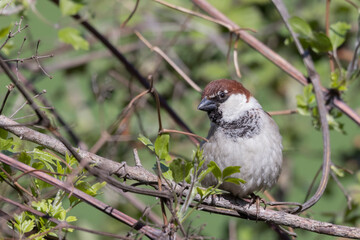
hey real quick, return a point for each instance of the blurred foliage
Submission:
(90, 88)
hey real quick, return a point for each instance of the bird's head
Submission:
(225, 100)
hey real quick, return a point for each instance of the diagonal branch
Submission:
(152, 233)
(273, 56)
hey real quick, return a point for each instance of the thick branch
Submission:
(111, 167)
(223, 205)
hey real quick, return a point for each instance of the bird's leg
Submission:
(257, 200)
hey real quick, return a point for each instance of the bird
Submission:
(241, 134)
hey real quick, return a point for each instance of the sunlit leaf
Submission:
(180, 169)
(72, 36)
(237, 181)
(146, 142)
(162, 147)
(215, 169)
(69, 7)
(300, 26)
(338, 33)
(230, 170)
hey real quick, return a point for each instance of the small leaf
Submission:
(24, 158)
(4, 32)
(300, 27)
(201, 191)
(72, 36)
(71, 219)
(69, 7)
(337, 171)
(308, 91)
(27, 226)
(146, 142)
(97, 186)
(216, 170)
(300, 101)
(162, 147)
(320, 43)
(180, 169)
(3, 133)
(230, 170)
(203, 174)
(338, 33)
(237, 181)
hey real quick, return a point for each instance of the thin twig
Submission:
(10, 87)
(283, 112)
(236, 63)
(168, 60)
(345, 192)
(184, 133)
(131, 14)
(36, 58)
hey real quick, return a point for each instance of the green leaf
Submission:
(230, 170)
(69, 7)
(97, 186)
(24, 158)
(162, 147)
(320, 43)
(300, 27)
(71, 219)
(27, 226)
(237, 181)
(338, 33)
(146, 142)
(6, 144)
(4, 32)
(203, 174)
(3, 133)
(216, 170)
(300, 101)
(201, 191)
(72, 36)
(337, 171)
(308, 91)
(180, 169)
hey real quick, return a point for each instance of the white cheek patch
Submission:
(236, 105)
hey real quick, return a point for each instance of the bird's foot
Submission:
(257, 200)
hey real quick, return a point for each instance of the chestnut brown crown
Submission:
(224, 86)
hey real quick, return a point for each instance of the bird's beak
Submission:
(207, 105)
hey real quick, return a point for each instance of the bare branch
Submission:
(168, 60)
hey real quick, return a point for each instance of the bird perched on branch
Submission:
(241, 134)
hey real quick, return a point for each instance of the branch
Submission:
(152, 233)
(225, 205)
(273, 56)
(315, 79)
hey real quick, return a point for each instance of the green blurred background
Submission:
(90, 95)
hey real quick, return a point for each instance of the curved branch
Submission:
(315, 79)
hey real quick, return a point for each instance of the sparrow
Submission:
(241, 134)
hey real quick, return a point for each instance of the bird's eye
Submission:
(222, 94)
